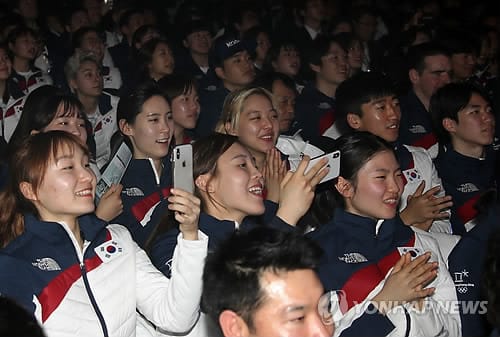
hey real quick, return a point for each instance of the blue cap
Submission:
(224, 47)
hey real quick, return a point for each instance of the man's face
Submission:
(285, 97)
(237, 71)
(365, 27)
(462, 65)
(381, 117)
(314, 10)
(290, 307)
(475, 127)
(134, 23)
(334, 68)
(199, 42)
(436, 74)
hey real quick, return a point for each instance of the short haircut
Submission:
(79, 35)
(17, 32)
(320, 48)
(75, 61)
(232, 273)
(275, 50)
(70, 12)
(360, 89)
(447, 102)
(266, 81)
(416, 55)
(363, 10)
(127, 15)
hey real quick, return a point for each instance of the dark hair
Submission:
(79, 35)
(320, 47)
(356, 149)
(176, 85)
(144, 55)
(266, 81)
(357, 90)
(345, 40)
(277, 45)
(206, 152)
(416, 55)
(28, 163)
(232, 273)
(447, 101)
(239, 8)
(362, 10)
(17, 32)
(16, 321)
(40, 108)
(70, 12)
(127, 15)
(131, 105)
(141, 32)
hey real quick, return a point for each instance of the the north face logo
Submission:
(353, 258)
(231, 43)
(47, 264)
(467, 188)
(417, 129)
(133, 192)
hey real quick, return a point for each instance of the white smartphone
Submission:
(182, 167)
(333, 164)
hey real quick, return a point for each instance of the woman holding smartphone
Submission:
(78, 275)
(145, 121)
(230, 188)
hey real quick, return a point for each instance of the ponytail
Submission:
(11, 219)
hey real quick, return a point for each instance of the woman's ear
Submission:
(232, 324)
(125, 127)
(202, 182)
(344, 187)
(27, 191)
(229, 129)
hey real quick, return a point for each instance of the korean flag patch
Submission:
(414, 251)
(412, 175)
(108, 250)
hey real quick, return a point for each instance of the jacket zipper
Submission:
(92, 299)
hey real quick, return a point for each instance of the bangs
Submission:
(69, 108)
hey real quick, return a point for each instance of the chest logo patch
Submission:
(353, 258)
(46, 264)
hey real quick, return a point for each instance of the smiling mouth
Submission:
(85, 193)
(256, 190)
(162, 140)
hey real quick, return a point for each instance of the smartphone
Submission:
(333, 164)
(182, 167)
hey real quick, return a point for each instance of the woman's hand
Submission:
(110, 205)
(273, 171)
(187, 212)
(423, 208)
(297, 190)
(407, 282)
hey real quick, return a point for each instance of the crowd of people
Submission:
(403, 241)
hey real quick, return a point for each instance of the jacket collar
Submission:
(53, 232)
